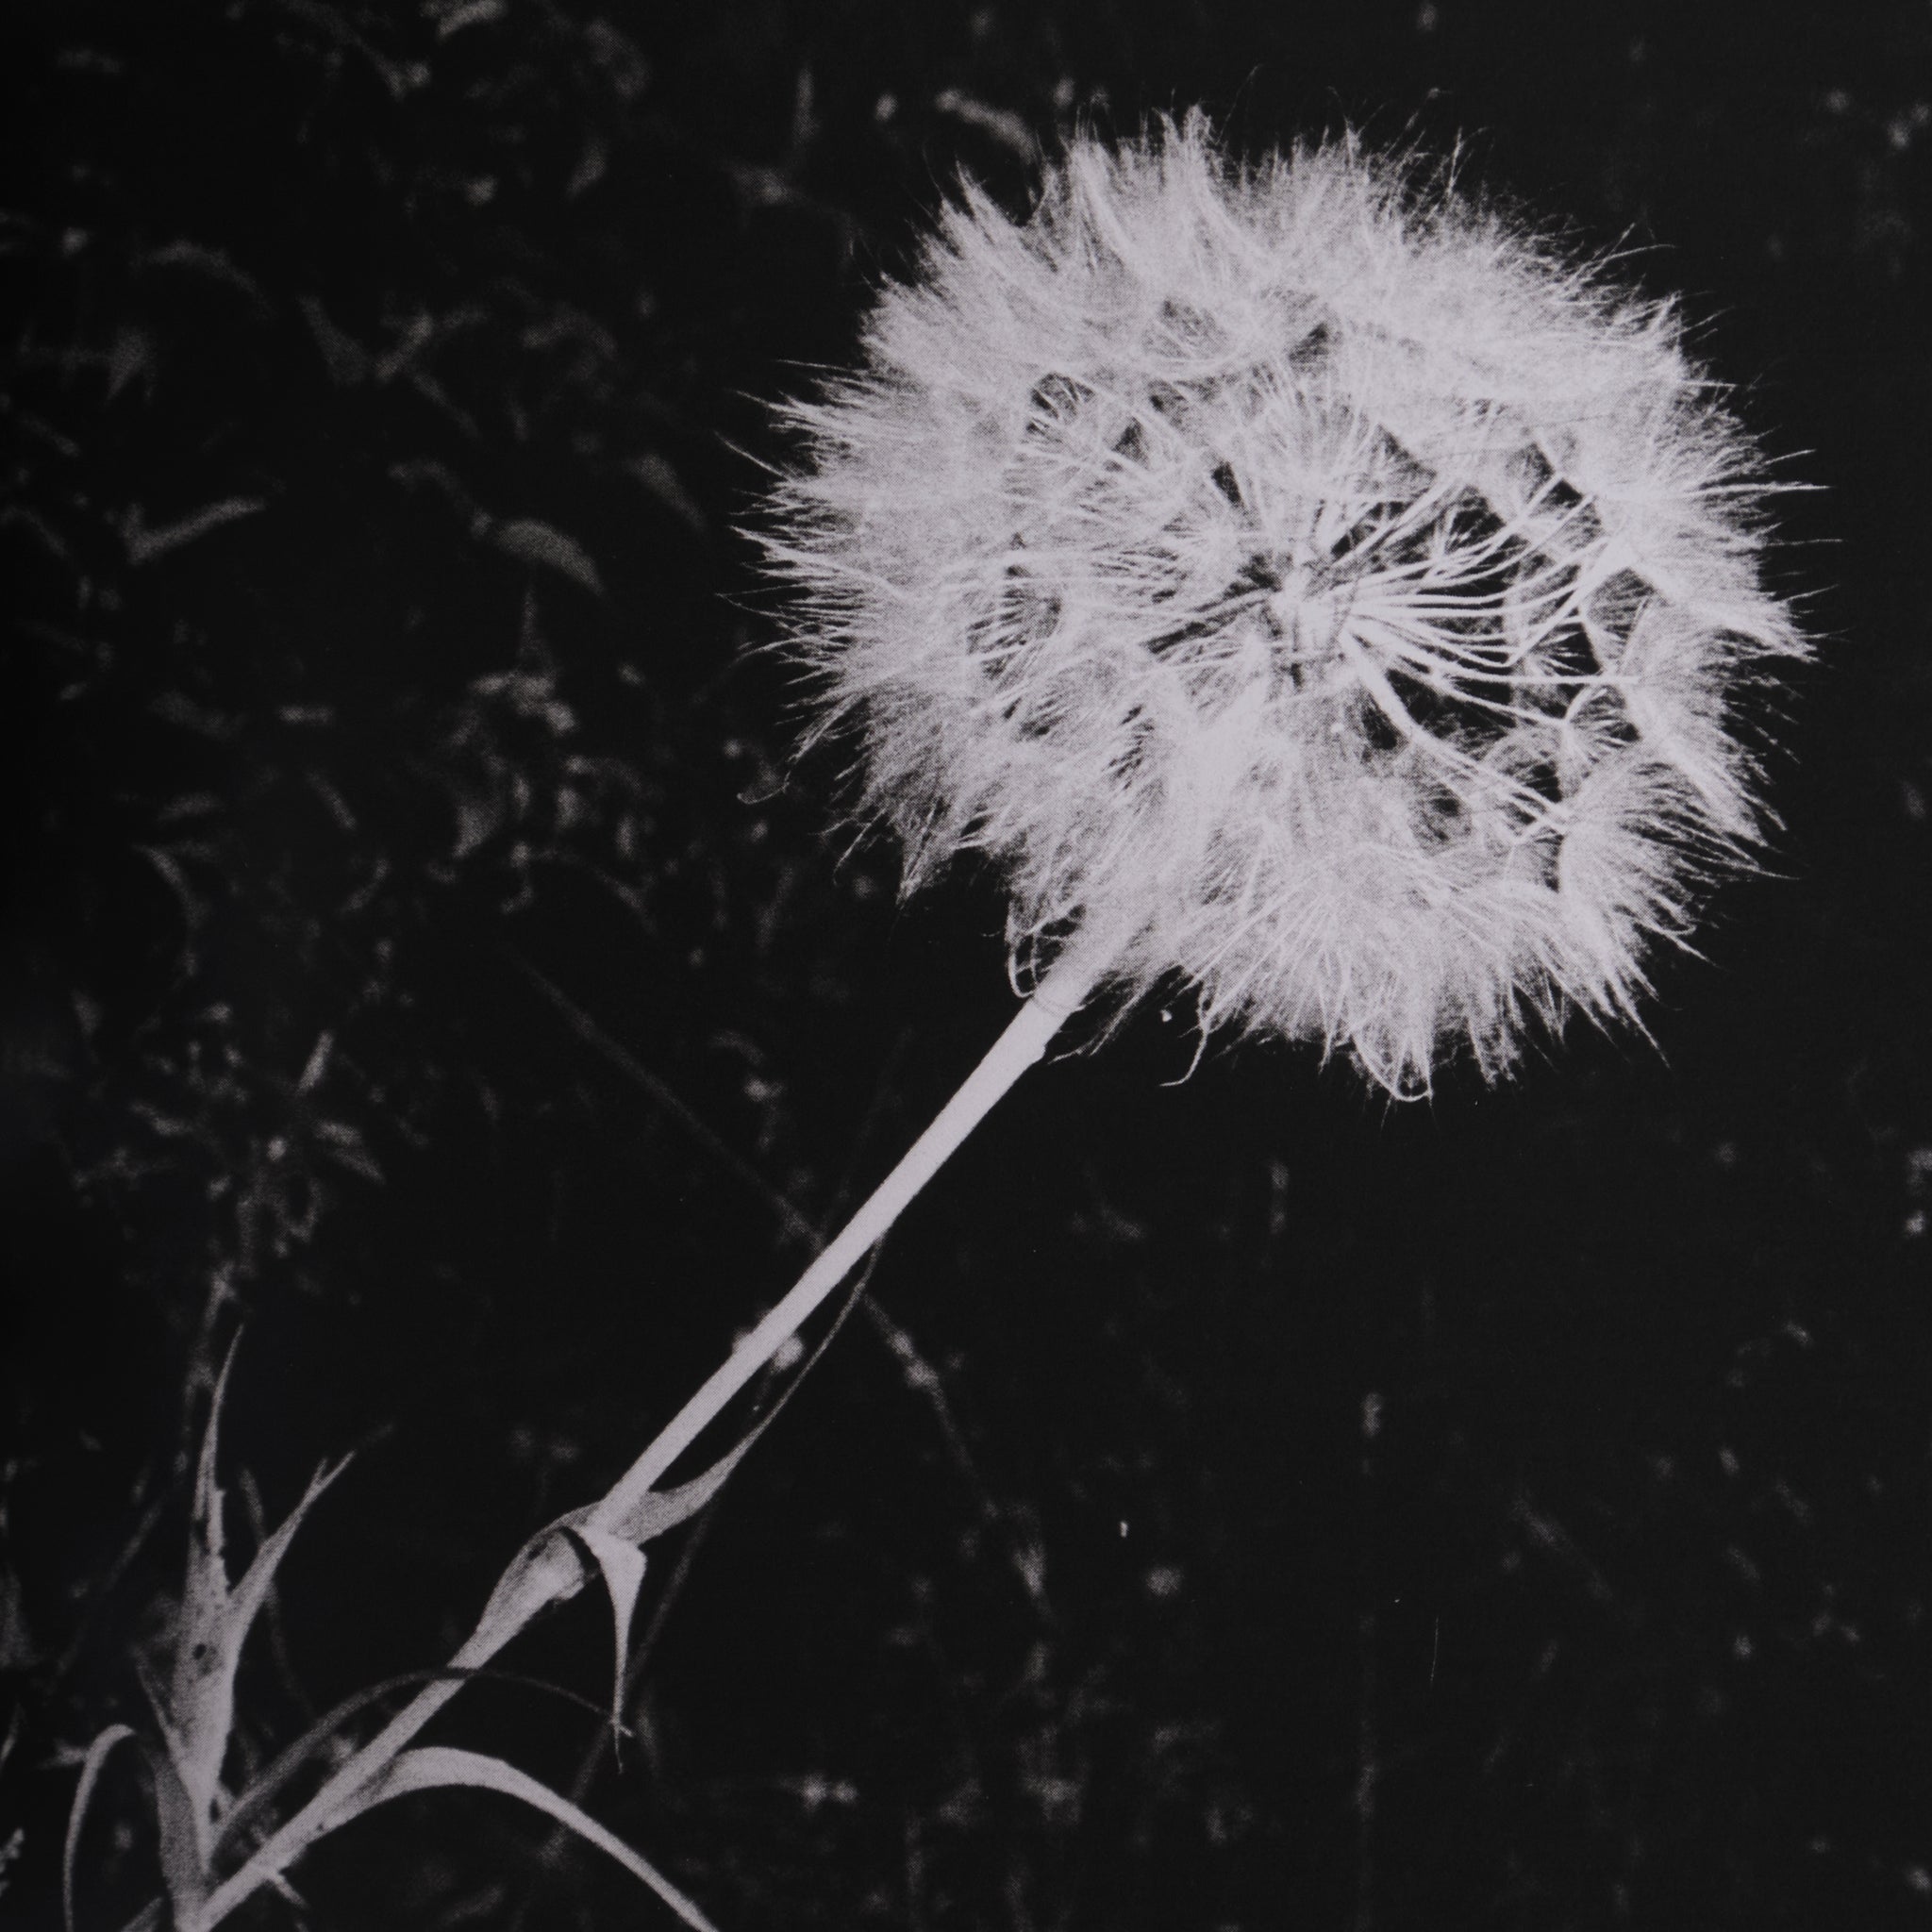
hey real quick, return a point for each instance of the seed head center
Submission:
(1308, 614)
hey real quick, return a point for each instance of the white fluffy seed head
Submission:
(1305, 568)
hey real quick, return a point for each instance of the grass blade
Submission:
(77, 1817)
(437, 1766)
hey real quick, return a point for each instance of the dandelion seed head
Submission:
(1342, 589)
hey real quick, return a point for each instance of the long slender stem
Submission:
(552, 1573)
(1057, 997)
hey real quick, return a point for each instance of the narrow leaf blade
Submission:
(437, 1766)
(90, 1767)
(623, 1564)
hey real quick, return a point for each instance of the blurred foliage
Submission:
(1246, 1508)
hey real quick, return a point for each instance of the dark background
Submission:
(1251, 1505)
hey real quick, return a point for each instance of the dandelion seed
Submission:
(1304, 569)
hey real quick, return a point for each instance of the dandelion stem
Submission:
(1056, 998)
(546, 1573)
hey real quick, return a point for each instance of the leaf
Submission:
(211, 263)
(618, 58)
(426, 473)
(346, 359)
(438, 1766)
(186, 1845)
(345, 1145)
(622, 1565)
(288, 1761)
(477, 820)
(657, 475)
(661, 1509)
(144, 545)
(177, 708)
(530, 540)
(452, 16)
(593, 165)
(1004, 125)
(50, 539)
(132, 355)
(519, 1592)
(181, 1863)
(641, 1518)
(651, 1514)
(77, 1815)
(198, 1710)
(537, 1575)
(400, 77)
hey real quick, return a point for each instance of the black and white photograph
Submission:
(965, 966)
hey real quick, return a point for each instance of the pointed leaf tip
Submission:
(623, 1568)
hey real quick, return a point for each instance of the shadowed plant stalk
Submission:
(1300, 583)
